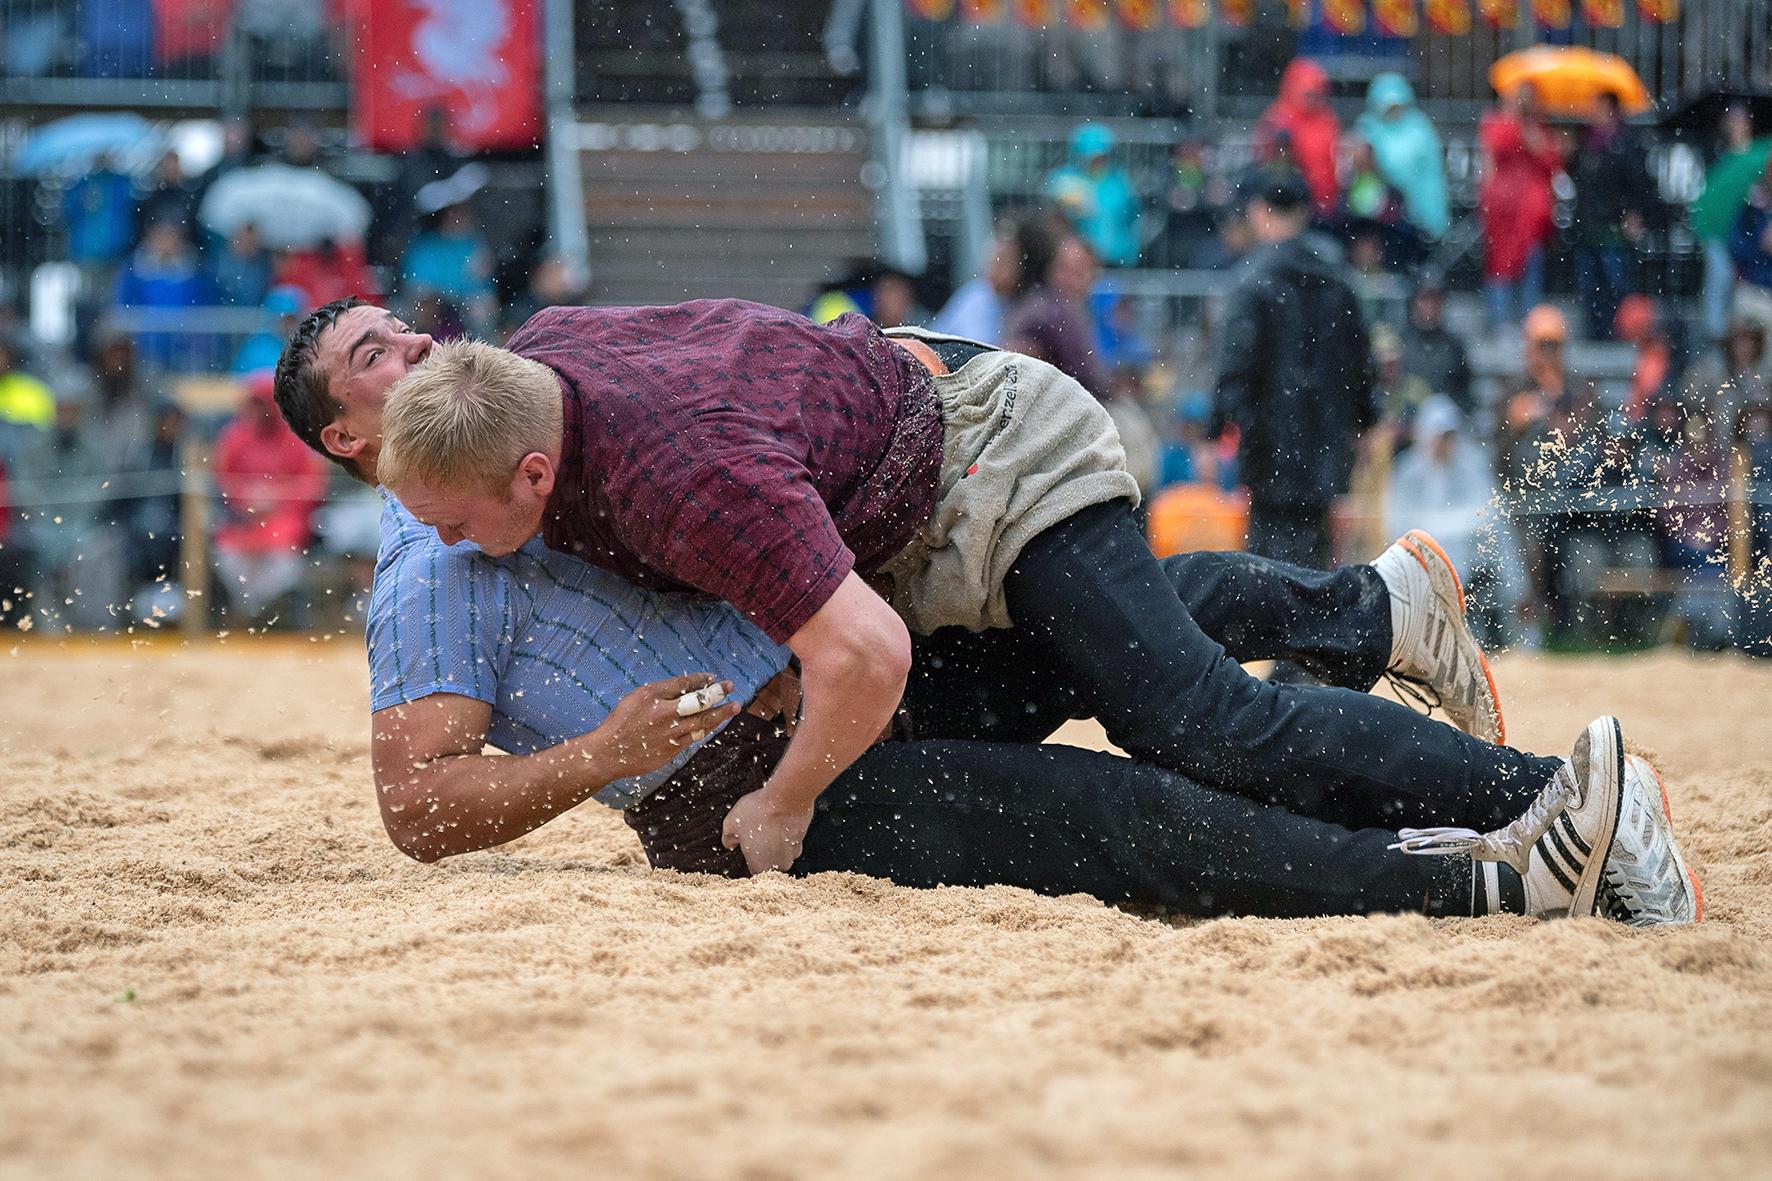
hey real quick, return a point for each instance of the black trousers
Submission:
(1053, 819)
(1151, 649)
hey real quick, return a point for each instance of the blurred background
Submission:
(1566, 285)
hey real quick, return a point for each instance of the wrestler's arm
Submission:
(855, 654)
(440, 795)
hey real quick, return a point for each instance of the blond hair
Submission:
(466, 417)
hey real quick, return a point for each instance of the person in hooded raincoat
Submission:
(1302, 119)
(1408, 151)
(1098, 197)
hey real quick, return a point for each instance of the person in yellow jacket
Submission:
(23, 399)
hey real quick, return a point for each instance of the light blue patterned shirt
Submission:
(550, 642)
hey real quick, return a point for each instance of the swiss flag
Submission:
(479, 60)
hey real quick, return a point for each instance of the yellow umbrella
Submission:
(1569, 80)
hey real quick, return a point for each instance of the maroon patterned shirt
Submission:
(736, 449)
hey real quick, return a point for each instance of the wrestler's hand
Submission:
(643, 732)
(780, 698)
(766, 830)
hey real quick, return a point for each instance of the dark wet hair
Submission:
(303, 388)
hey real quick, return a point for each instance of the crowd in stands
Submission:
(1579, 504)
(94, 438)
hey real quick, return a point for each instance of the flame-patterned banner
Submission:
(1191, 14)
(932, 10)
(1140, 14)
(1034, 13)
(1449, 16)
(1500, 14)
(1395, 18)
(982, 12)
(1660, 10)
(1551, 14)
(1345, 16)
(1603, 14)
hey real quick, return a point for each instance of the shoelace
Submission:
(1512, 844)
(1416, 690)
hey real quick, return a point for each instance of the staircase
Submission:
(758, 206)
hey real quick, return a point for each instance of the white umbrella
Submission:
(292, 207)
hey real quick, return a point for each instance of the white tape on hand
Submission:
(697, 700)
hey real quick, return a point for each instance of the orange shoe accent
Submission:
(1415, 541)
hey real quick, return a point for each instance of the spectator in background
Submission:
(1750, 245)
(1713, 220)
(79, 555)
(24, 400)
(1301, 126)
(1295, 378)
(1188, 456)
(451, 258)
(1052, 321)
(259, 352)
(1433, 354)
(327, 271)
(243, 269)
(1614, 198)
(1097, 197)
(1408, 152)
(270, 485)
(1636, 323)
(171, 198)
(1195, 203)
(975, 311)
(99, 213)
(1520, 162)
(1401, 394)
(552, 284)
(1444, 484)
(1527, 408)
(164, 273)
(869, 288)
(1732, 375)
(1368, 195)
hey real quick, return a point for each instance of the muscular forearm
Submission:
(461, 803)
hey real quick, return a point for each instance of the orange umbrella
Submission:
(1570, 79)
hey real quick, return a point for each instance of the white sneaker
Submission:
(1647, 882)
(1431, 645)
(1560, 846)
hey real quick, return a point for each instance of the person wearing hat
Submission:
(1295, 376)
(1097, 197)
(1520, 161)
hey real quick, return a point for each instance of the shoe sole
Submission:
(1604, 741)
(1417, 540)
(1667, 813)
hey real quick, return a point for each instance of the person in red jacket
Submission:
(270, 485)
(1302, 117)
(1520, 161)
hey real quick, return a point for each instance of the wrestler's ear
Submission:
(341, 442)
(535, 476)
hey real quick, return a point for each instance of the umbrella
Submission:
(75, 143)
(1570, 79)
(292, 207)
(1725, 189)
(1701, 117)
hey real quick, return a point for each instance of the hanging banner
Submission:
(1499, 14)
(1603, 14)
(1086, 14)
(1142, 15)
(1449, 16)
(1346, 17)
(1299, 13)
(1190, 14)
(931, 10)
(982, 12)
(1551, 14)
(1395, 18)
(479, 61)
(1236, 12)
(1034, 13)
(1659, 10)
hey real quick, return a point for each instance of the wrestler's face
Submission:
(498, 521)
(363, 354)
